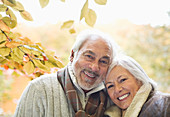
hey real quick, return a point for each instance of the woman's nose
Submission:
(118, 89)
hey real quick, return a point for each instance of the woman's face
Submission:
(122, 86)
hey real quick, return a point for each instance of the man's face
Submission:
(91, 63)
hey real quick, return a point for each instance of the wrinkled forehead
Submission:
(94, 40)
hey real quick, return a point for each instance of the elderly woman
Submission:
(133, 92)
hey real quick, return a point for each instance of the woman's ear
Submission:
(71, 56)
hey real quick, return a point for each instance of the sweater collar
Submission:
(73, 78)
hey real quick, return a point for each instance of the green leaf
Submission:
(9, 22)
(40, 65)
(19, 7)
(11, 14)
(29, 67)
(26, 15)
(43, 3)
(90, 18)
(4, 51)
(84, 10)
(2, 8)
(67, 24)
(101, 2)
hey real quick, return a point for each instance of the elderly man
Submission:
(77, 89)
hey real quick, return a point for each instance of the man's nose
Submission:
(94, 66)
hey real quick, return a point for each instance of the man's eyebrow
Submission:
(90, 52)
(106, 57)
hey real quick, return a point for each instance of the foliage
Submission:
(20, 53)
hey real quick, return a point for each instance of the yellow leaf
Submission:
(9, 2)
(72, 31)
(90, 18)
(18, 53)
(2, 8)
(40, 65)
(4, 51)
(67, 24)
(1, 16)
(62, 0)
(4, 27)
(43, 3)
(12, 44)
(2, 44)
(19, 6)
(11, 14)
(101, 2)
(14, 57)
(29, 67)
(84, 10)
(9, 22)
(26, 15)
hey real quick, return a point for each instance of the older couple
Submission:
(78, 90)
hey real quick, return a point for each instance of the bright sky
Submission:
(152, 12)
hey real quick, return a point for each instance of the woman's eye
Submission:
(110, 86)
(122, 80)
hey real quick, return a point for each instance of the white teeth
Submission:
(124, 96)
(89, 74)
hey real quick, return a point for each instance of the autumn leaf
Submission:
(4, 51)
(72, 31)
(9, 2)
(12, 44)
(29, 67)
(11, 14)
(4, 27)
(40, 65)
(9, 22)
(101, 2)
(90, 18)
(43, 3)
(26, 15)
(84, 10)
(2, 8)
(67, 24)
(18, 7)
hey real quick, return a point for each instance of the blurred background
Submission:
(140, 27)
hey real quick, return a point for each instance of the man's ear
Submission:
(71, 56)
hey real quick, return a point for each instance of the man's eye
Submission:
(110, 86)
(104, 62)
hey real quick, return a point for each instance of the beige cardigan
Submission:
(43, 96)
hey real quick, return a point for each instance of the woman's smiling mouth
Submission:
(121, 98)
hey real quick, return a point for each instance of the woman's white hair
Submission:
(84, 35)
(134, 68)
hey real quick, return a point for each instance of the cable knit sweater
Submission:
(44, 97)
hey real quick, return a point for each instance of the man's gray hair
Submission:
(83, 36)
(133, 67)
